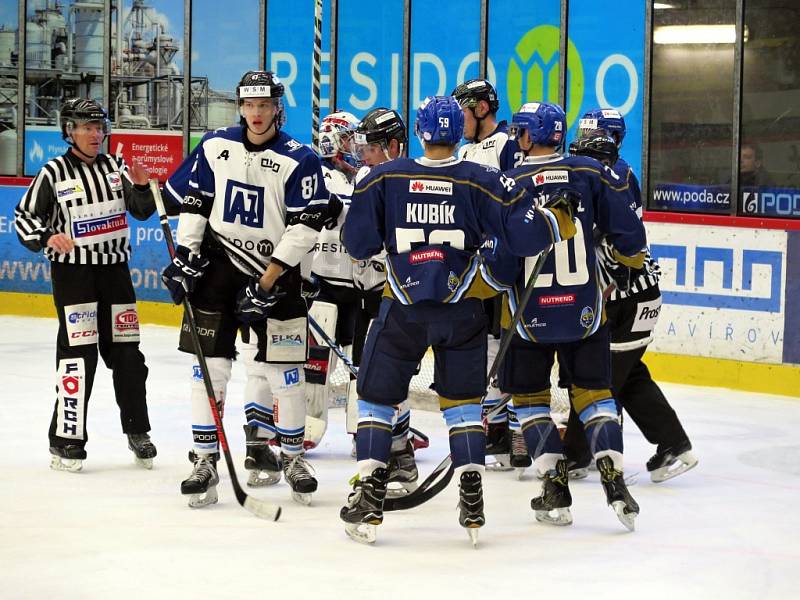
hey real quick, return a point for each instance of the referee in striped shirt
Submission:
(75, 210)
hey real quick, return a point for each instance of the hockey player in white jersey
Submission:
(335, 300)
(255, 204)
(380, 137)
(487, 143)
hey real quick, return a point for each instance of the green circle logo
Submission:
(533, 72)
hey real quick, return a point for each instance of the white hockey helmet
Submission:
(335, 132)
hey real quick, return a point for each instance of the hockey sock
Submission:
(258, 399)
(467, 437)
(374, 436)
(540, 433)
(289, 409)
(513, 419)
(204, 431)
(603, 431)
(401, 425)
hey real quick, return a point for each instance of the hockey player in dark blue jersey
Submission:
(256, 201)
(632, 306)
(565, 316)
(431, 215)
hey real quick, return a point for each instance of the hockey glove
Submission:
(182, 274)
(309, 288)
(564, 203)
(335, 207)
(254, 303)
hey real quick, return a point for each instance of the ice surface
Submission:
(727, 529)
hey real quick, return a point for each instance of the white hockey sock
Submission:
(287, 382)
(204, 431)
(257, 394)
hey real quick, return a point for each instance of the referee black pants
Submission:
(96, 308)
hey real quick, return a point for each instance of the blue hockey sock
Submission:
(603, 431)
(467, 438)
(374, 434)
(541, 434)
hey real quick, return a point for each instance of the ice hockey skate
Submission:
(617, 494)
(470, 504)
(671, 462)
(261, 462)
(552, 506)
(364, 509)
(144, 451)
(201, 485)
(299, 476)
(579, 469)
(498, 446)
(67, 458)
(403, 473)
(520, 459)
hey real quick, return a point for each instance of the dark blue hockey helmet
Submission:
(440, 121)
(545, 123)
(607, 119)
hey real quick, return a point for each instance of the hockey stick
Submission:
(259, 508)
(437, 481)
(315, 75)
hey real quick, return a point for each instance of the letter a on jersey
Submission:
(245, 202)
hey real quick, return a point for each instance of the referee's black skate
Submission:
(617, 494)
(144, 451)
(470, 504)
(262, 463)
(552, 505)
(364, 509)
(667, 463)
(403, 472)
(298, 474)
(498, 445)
(67, 458)
(201, 485)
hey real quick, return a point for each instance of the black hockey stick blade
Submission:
(435, 482)
(259, 508)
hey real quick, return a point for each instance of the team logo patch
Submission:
(428, 186)
(551, 177)
(244, 203)
(557, 300)
(587, 317)
(291, 377)
(423, 256)
(197, 373)
(452, 282)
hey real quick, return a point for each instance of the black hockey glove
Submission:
(309, 288)
(333, 211)
(182, 274)
(564, 199)
(254, 303)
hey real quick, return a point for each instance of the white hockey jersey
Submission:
(262, 203)
(495, 151)
(369, 275)
(330, 260)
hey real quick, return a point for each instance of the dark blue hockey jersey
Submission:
(431, 216)
(567, 302)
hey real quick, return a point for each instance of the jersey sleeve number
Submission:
(564, 275)
(407, 237)
(308, 186)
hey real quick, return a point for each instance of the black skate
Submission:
(470, 504)
(264, 466)
(143, 449)
(498, 445)
(298, 474)
(552, 506)
(667, 463)
(67, 458)
(402, 471)
(617, 494)
(201, 485)
(364, 509)
(579, 469)
(520, 459)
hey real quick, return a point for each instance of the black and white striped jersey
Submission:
(88, 203)
(651, 271)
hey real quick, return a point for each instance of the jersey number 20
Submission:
(564, 274)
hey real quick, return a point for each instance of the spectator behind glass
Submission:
(751, 171)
